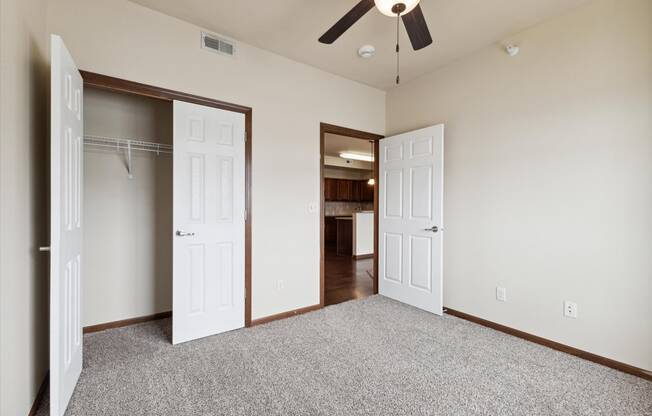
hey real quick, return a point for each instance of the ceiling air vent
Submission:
(216, 44)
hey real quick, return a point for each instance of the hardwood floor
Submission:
(346, 278)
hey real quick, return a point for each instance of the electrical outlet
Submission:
(501, 294)
(570, 309)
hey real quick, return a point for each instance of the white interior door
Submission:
(209, 221)
(67, 167)
(411, 218)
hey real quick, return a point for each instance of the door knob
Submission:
(184, 234)
(433, 229)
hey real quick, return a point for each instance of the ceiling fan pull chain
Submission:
(398, 49)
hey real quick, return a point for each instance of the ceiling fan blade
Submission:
(417, 29)
(347, 21)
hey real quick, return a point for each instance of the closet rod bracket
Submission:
(130, 174)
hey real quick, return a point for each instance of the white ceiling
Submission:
(335, 144)
(291, 28)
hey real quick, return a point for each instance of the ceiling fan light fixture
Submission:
(386, 6)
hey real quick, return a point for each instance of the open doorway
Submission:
(349, 214)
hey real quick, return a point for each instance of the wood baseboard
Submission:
(608, 362)
(162, 315)
(39, 395)
(284, 315)
(126, 322)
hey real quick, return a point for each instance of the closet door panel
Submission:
(208, 271)
(225, 189)
(66, 227)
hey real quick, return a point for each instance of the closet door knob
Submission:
(184, 234)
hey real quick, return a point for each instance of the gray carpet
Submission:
(366, 357)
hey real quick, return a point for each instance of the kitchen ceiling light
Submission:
(356, 156)
(386, 7)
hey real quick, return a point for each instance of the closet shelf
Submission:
(128, 146)
(120, 144)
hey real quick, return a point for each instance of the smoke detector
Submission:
(366, 51)
(512, 50)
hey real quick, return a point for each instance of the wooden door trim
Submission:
(109, 83)
(355, 134)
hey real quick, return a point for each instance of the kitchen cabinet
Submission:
(330, 189)
(367, 192)
(330, 230)
(344, 236)
(356, 191)
(347, 190)
(344, 190)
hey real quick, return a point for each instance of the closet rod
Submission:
(128, 146)
(120, 144)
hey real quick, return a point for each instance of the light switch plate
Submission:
(501, 294)
(312, 207)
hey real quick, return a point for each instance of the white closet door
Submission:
(209, 221)
(411, 218)
(67, 168)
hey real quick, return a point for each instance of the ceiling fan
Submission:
(407, 10)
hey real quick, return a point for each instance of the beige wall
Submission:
(548, 177)
(127, 222)
(548, 167)
(23, 203)
(289, 100)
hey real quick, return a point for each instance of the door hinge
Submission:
(245, 136)
(245, 214)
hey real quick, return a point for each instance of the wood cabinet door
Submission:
(330, 189)
(344, 190)
(367, 192)
(356, 191)
(344, 237)
(330, 230)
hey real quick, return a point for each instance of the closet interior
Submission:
(127, 206)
